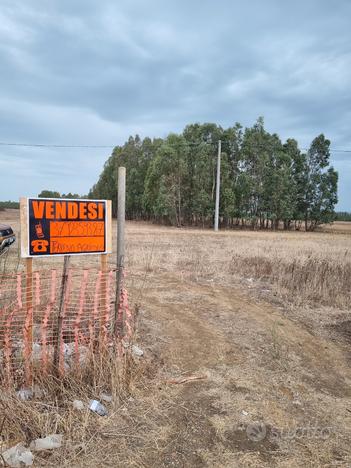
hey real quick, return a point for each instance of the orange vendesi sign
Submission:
(65, 226)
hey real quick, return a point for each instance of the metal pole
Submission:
(218, 185)
(29, 301)
(60, 314)
(121, 203)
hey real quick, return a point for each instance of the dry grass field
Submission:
(261, 318)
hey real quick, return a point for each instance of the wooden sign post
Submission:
(121, 216)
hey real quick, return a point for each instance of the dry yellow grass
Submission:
(202, 313)
(300, 267)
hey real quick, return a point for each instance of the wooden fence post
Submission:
(118, 321)
(103, 266)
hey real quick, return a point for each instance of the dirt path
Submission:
(260, 366)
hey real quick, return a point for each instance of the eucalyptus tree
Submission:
(320, 191)
(264, 183)
(166, 181)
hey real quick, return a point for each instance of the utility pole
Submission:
(218, 185)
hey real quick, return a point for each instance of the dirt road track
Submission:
(260, 366)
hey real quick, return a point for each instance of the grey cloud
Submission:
(94, 72)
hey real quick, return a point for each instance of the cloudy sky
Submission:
(93, 72)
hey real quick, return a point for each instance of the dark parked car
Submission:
(7, 236)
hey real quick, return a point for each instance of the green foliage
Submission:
(54, 194)
(71, 195)
(320, 185)
(49, 194)
(8, 204)
(264, 183)
(342, 216)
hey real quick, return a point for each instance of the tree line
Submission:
(342, 216)
(265, 183)
(8, 204)
(55, 194)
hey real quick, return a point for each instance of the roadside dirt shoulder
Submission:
(260, 367)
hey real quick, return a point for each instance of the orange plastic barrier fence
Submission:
(29, 321)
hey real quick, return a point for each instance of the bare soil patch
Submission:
(343, 329)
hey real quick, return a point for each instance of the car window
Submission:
(6, 232)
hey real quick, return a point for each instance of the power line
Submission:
(331, 150)
(43, 145)
(190, 143)
(339, 151)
